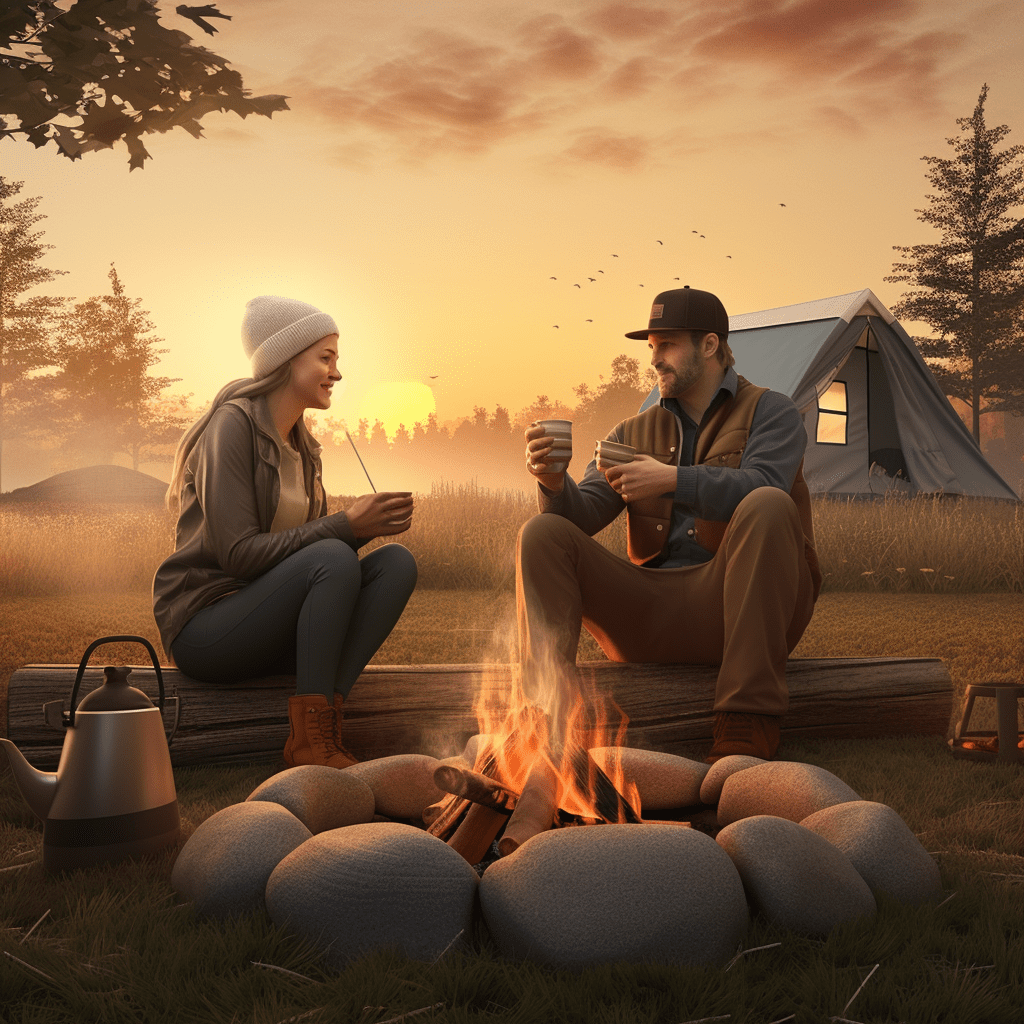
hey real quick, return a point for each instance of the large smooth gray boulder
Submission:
(662, 780)
(793, 877)
(880, 845)
(224, 866)
(711, 787)
(382, 885)
(579, 897)
(321, 798)
(782, 789)
(402, 784)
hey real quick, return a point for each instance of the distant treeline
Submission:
(487, 448)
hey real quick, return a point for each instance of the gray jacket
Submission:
(229, 495)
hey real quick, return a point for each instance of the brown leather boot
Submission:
(339, 703)
(313, 736)
(737, 732)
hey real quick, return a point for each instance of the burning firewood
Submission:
(535, 812)
(609, 803)
(477, 831)
(481, 789)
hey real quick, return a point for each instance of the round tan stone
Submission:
(782, 789)
(403, 784)
(880, 845)
(224, 866)
(711, 787)
(574, 898)
(321, 798)
(385, 885)
(663, 780)
(793, 877)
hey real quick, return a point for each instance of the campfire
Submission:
(534, 770)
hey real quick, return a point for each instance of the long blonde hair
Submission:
(244, 387)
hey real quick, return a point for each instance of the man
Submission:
(722, 563)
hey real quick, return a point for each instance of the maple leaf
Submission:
(138, 151)
(73, 63)
(197, 14)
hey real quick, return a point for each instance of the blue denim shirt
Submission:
(771, 458)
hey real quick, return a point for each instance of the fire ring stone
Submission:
(367, 887)
(575, 898)
(225, 864)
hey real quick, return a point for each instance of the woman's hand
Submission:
(380, 515)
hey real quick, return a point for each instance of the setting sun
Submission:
(397, 402)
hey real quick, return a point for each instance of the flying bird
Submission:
(675, 278)
(616, 255)
(434, 376)
(600, 271)
(552, 278)
(782, 204)
(659, 241)
(591, 278)
(555, 326)
(590, 321)
(694, 232)
(728, 257)
(701, 236)
(575, 286)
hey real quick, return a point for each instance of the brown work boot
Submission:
(313, 735)
(339, 715)
(737, 732)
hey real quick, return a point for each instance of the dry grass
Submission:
(465, 537)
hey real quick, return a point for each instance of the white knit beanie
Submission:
(274, 329)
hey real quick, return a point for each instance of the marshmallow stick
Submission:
(360, 458)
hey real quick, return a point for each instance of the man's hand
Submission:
(380, 515)
(538, 456)
(644, 477)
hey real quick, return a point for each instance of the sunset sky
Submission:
(442, 160)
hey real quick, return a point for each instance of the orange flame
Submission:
(559, 724)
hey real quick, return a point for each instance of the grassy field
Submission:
(464, 538)
(116, 944)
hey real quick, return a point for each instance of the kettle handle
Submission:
(109, 640)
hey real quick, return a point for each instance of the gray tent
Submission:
(876, 420)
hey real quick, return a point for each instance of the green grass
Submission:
(117, 945)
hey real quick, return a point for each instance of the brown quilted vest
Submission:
(658, 433)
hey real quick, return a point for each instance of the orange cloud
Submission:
(598, 146)
(549, 77)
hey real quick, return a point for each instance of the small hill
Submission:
(93, 485)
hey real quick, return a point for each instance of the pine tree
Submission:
(970, 286)
(25, 324)
(106, 401)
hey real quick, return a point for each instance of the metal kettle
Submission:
(113, 794)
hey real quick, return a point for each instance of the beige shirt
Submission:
(293, 507)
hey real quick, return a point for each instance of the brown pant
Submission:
(745, 609)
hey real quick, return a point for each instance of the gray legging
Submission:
(321, 614)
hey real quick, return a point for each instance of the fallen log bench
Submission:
(396, 709)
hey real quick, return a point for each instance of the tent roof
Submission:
(842, 307)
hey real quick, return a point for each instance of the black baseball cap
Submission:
(686, 309)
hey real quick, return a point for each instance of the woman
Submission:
(262, 580)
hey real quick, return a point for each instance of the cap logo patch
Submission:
(656, 310)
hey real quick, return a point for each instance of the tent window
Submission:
(832, 414)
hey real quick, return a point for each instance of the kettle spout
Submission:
(38, 788)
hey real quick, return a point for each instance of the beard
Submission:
(674, 382)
